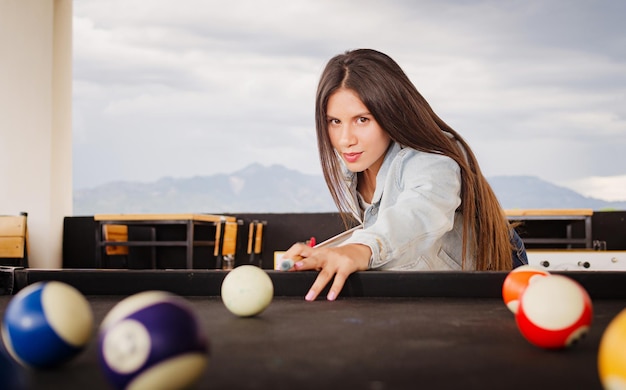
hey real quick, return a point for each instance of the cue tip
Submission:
(286, 264)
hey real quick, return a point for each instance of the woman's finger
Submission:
(320, 282)
(292, 256)
(295, 250)
(337, 286)
(307, 264)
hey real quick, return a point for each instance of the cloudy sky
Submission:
(198, 87)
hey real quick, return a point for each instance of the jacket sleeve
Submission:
(420, 196)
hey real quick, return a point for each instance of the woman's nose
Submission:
(348, 136)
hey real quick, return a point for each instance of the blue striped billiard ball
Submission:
(46, 324)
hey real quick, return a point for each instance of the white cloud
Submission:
(201, 87)
(611, 188)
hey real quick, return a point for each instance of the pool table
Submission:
(388, 330)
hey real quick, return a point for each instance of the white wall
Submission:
(36, 120)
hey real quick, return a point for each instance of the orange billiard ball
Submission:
(517, 281)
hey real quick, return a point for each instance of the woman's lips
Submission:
(351, 157)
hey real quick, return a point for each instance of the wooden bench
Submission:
(14, 239)
(569, 216)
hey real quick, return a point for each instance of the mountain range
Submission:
(277, 189)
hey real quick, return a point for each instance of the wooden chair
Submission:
(115, 233)
(14, 240)
(227, 241)
(255, 242)
(122, 234)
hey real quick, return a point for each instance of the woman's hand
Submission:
(339, 262)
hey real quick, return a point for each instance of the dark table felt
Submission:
(358, 343)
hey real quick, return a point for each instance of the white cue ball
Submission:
(247, 290)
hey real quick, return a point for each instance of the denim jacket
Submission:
(415, 225)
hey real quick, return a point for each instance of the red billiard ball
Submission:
(554, 312)
(517, 281)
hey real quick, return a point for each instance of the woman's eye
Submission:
(333, 121)
(363, 119)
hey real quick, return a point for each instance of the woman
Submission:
(412, 182)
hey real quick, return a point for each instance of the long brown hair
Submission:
(406, 116)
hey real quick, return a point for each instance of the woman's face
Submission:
(354, 133)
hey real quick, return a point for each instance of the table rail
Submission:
(475, 284)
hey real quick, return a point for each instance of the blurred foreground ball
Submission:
(554, 312)
(152, 340)
(517, 281)
(247, 290)
(612, 354)
(46, 324)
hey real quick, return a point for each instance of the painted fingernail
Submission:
(310, 295)
(331, 296)
(299, 264)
